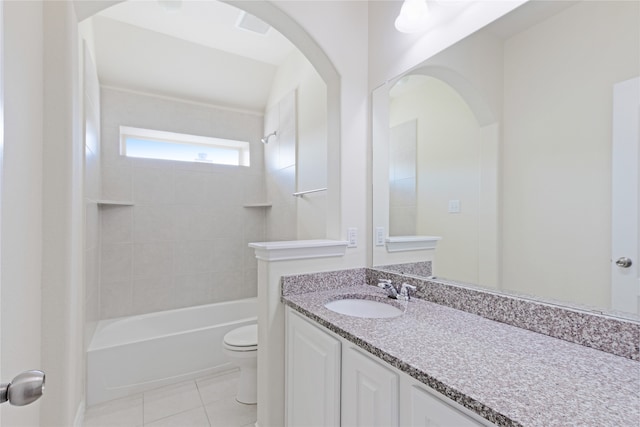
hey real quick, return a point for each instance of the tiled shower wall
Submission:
(184, 240)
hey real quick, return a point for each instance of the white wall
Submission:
(307, 214)
(448, 159)
(590, 45)
(392, 53)
(347, 49)
(403, 173)
(63, 255)
(92, 190)
(165, 65)
(280, 168)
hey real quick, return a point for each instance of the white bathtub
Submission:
(133, 354)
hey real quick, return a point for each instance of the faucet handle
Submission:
(382, 283)
(406, 289)
(386, 284)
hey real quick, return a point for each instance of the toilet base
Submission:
(247, 386)
(247, 361)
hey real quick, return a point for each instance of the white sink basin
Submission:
(363, 308)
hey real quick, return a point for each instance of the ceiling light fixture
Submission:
(170, 5)
(413, 16)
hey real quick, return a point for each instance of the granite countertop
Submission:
(508, 375)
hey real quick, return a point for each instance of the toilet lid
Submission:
(244, 336)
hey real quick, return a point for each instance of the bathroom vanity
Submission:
(342, 384)
(436, 365)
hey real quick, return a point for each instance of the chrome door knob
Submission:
(24, 389)
(624, 262)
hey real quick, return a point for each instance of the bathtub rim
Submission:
(103, 324)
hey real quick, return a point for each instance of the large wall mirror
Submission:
(507, 146)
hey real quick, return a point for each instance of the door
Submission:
(369, 391)
(21, 103)
(625, 284)
(312, 374)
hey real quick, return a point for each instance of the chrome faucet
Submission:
(386, 284)
(405, 291)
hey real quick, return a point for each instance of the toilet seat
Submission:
(244, 338)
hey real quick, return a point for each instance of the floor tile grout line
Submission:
(199, 388)
(202, 402)
(144, 423)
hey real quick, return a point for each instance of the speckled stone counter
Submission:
(508, 375)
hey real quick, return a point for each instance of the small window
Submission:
(155, 144)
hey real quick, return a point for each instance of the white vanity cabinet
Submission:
(312, 374)
(332, 382)
(369, 391)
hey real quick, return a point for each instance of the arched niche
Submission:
(292, 30)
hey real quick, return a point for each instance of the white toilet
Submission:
(241, 346)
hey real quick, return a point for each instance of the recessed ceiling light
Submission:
(249, 22)
(170, 5)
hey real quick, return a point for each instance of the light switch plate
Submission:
(454, 206)
(379, 236)
(352, 237)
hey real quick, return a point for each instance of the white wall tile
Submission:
(222, 189)
(115, 298)
(152, 224)
(116, 262)
(228, 221)
(92, 225)
(189, 187)
(151, 295)
(117, 183)
(182, 210)
(193, 257)
(92, 176)
(153, 186)
(194, 222)
(110, 148)
(151, 260)
(228, 254)
(117, 224)
(192, 289)
(229, 285)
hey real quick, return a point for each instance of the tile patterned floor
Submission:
(205, 402)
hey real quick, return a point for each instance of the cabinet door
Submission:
(369, 391)
(313, 375)
(429, 411)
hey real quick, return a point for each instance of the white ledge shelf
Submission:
(257, 205)
(411, 243)
(299, 249)
(103, 202)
